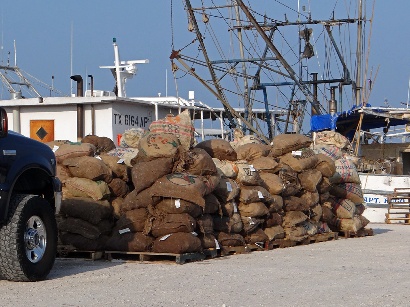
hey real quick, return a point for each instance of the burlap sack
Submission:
(343, 208)
(212, 204)
(296, 233)
(325, 165)
(218, 148)
(250, 152)
(293, 203)
(196, 162)
(229, 208)
(211, 182)
(226, 168)
(181, 185)
(208, 241)
(272, 183)
(143, 199)
(311, 228)
(293, 218)
(66, 151)
(331, 138)
(251, 194)
(273, 219)
(257, 236)
(157, 145)
(327, 214)
(322, 227)
(247, 174)
(177, 206)
(331, 151)
(205, 224)
(297, 163)
(131, 137)
(345, 172)
(316, 213)
(88, 167)
(290, 180)
(353, 225)
(181, 126)
(102, 144)
(172, 223)
(84, 228)
(324, 197)
(360, 208)
(274, 232)
(125, 154)
(265, 164)
(177, 243)
(276, 204)
(62, 172)
(284, 143)
(118, 168)
(116, 204)
(250, 224)
(144, 174)
(256, 209)
(324, 185)
(230, 239)
(86, 209)
(351, 191)
(227, 224)
(82, 187)
(310, 198)
(118, 187)
(226, 190)
(309, 179)
(82, 243)
(133, 220)
(129, 242)
(241, 139)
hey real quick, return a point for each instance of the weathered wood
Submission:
(364, 232)
(69, 251)
(149, 256)
(230, 250)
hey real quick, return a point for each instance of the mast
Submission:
(247, 104)
(359, 53)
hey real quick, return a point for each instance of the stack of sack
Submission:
(91, 181)
(344, 208)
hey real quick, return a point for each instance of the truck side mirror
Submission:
(4, 124)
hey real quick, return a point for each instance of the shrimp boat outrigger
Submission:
(301, 61)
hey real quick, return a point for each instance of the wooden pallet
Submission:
(322, 237)
(149, 256)
(211, 252)
(280, 243)
(256, 247)
(68, 251)
(361, 233)
(231, 250)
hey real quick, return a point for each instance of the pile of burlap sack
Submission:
(159, 192)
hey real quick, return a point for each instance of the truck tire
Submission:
(28, 240)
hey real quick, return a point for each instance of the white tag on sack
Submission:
(235, 207)
(125, 230)
(251, 222)
(229, 186)
(194, 233)
(177, 203)
(98, 157)
(252, 169)
(120, 161)
(55, 148)
(260, 195)
(217, 246)
(165, 237)
(296, 153)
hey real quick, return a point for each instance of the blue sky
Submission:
(42, 31)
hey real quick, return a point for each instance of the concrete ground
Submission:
(368, 271)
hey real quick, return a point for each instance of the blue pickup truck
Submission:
(30, 197)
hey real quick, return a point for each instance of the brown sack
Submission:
(144, 174)
(177, 243)
(226, 168)
(133, 220)
(205, 224)
(275, 232)
(172, 223)
(293, 203)
(226, 190)
(83, 243)
(311, 199)
(228, 224)
(351, 191)
(197, 162)
(284, 143)
(66, 151)
(265, 164)
(177, 206)
(218, 148)
(230, 239)
(299, 163)
(118, 187)
(258, 237)
(273, 219)
(157, 145)
(84, 228)
(250, 152)
(212, 204)
(272, 183)
(86, 209)
(309, 179)
(82, 187)
(250, 224)
(256, 209)
(247, 174)
(325, 165)
(129, 242)
(119, 170)
(142, 199)
(102, 144)
(88, 167)
(251, 194)
(293, 218)
(343, 208)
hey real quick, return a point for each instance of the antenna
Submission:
(71, 59)
(15, 54)
(166, 82)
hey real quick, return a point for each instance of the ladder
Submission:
(399, 206)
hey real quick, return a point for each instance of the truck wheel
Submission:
(28, 240)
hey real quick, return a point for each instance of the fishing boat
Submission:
(311, 62)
